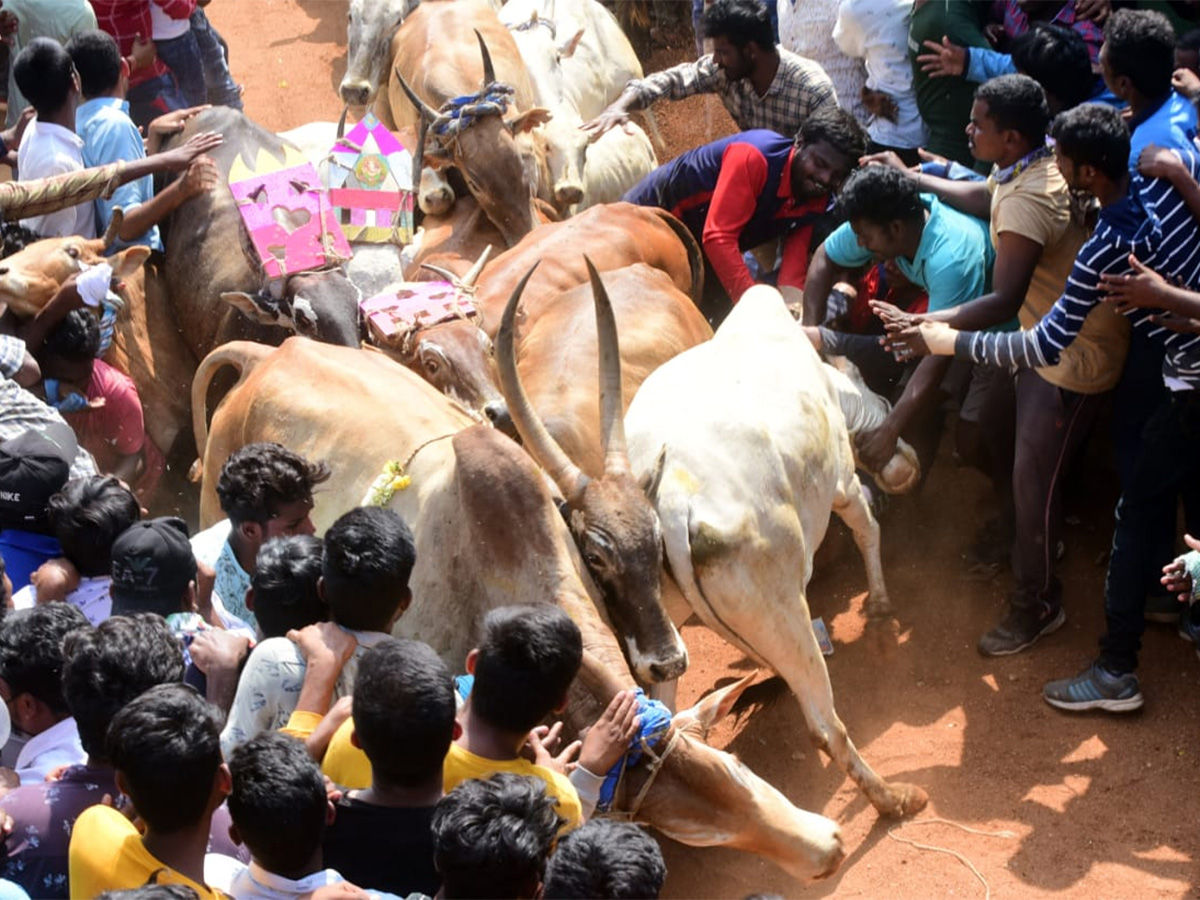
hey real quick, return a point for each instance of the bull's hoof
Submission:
(883, 635)
(904, 800)
(832, 861)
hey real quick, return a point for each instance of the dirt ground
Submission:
(1090, 806)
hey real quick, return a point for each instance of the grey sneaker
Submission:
(1020, 630)
(1095, 688)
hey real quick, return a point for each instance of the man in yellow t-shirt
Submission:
(1029, 206)
(166, 749)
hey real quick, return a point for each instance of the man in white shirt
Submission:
(31, 665)
(47, 77)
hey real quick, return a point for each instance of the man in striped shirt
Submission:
(761, 84)
(1149, 219)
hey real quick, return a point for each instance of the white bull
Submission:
(579, 61)
(744, 445)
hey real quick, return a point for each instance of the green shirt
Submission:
(945, 103)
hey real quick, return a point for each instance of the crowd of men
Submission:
(994, 204)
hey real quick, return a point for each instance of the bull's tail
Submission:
(243, 356)
(655, 134)
(695, 254)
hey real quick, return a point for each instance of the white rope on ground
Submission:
(959, 856)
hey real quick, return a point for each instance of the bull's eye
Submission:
(72, 251)
(431, 367)
(594, 560)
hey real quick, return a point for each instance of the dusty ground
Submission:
(1097, 806)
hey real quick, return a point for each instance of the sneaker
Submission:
(1019, 630)
(1163, 608)
(1095, 688)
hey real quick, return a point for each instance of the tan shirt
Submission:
(1036, 204)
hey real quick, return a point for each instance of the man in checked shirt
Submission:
(761, 84)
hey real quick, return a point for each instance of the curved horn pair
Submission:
(467, 282)
(541, 446)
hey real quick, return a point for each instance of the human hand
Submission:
(929, 157)
(880, 104)
(174, 122)
(216, 650)
(179, 158)
(886, 158)
(543, 741)
(8, 26)
(12, 136)
(1186, 82)
(1159, 162)
(142, 52)
(53, 580)
(1175, 577)
(877, 446)
(1093, 10)
(201, 176)
(324, 642)
(1180, 324)
(608, 740)
(57, 772)
(343, 890)
(613, 115)
(944, 60)
(1144, 287)
(895, 319)
(994, 32)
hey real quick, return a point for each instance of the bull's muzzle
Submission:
(356, 91)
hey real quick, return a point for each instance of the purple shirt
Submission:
(44, 815)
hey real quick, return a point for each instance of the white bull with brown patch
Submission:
(488, 534)
(744, 447)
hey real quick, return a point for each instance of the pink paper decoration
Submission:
(411, 304)
(290, 219)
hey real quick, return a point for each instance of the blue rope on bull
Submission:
(654, 721)
(462, 112)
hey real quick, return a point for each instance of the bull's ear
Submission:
(255, 307)
(651, 482)
(568, 49)
(530, 119)
(127, 262)
(713, 708)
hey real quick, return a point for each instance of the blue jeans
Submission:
(222, 90)
(152, 98)
(1168, 462)
(182, 56)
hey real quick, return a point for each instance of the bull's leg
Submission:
(852, 508)
(751, 592)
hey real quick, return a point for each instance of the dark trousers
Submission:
(1167, 462)
(182, 56)
(1051, 425)
(222, 91)
(152, 98)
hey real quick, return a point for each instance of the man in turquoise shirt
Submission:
(945, 252)
(108, 134)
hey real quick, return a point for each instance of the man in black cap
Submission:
(154, 570)
(34, 466)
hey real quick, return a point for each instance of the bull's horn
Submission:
(612, 412)
(489, 71)
(467, 282)
(446, 274)
(426, 113)
(537, 440)
(114, 226)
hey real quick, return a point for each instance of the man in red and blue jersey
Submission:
(745, 190)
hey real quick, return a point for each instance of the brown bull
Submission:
(457, 359)
(147, 345)
(488, 534)
(573, 426)
(447, 49)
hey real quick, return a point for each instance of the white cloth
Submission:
(253, 882)
(806, 28)
(48, 149)
(270, 686)
(166, 28)
(212, 548)
(877, 31)
(57, 746)
(92, 597)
